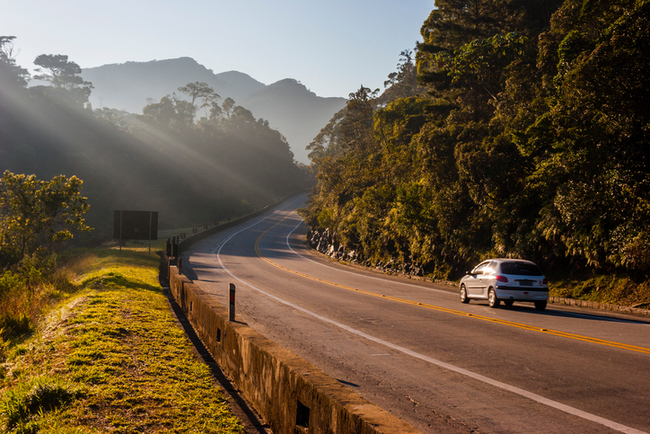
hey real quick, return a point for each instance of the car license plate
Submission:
(526, 282)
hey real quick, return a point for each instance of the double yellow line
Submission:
(450, 311)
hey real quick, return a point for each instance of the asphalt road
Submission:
(412, 348)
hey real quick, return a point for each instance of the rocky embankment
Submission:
(325, 242)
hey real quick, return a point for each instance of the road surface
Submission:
(412, 348)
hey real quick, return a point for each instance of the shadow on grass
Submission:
(114, 280)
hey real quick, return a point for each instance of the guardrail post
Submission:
(231, 311)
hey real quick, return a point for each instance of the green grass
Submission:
(111, 358)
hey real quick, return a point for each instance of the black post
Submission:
(120, 240)
(231, 315)
(150, 229)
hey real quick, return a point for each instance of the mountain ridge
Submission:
(288, 105)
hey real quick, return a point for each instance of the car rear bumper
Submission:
(522, 294)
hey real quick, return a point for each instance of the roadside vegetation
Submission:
(516, 129)
(605, 288)
(103, 354)
(87, 339)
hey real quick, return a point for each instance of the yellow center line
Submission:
(446, 310)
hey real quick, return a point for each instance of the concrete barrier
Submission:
(291, 395)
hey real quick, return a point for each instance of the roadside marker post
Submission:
(231, 311)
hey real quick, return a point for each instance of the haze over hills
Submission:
(127, 86)
(288, 105)
(293, 110)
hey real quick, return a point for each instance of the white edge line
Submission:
(513, 389)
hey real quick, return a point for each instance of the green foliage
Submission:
(480, 64)
(10, 282)
(526, 145)
(598, 127)
(36, 215)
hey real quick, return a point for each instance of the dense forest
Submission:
(518, 128)
(192, 156)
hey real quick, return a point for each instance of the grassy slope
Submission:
(111, 358)
(612, 289)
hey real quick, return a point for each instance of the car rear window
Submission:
(520, 269)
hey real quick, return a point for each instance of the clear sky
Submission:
(331, 46)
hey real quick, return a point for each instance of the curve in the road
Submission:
(504, 386)
(439, 308)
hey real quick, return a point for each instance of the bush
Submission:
(10, 282)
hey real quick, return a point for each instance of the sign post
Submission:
(135, 225)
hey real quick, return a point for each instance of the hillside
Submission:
(528, 143)
(189, 175)
(293, 110)
(128, 86)
(289, 106)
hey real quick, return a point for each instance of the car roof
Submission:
(508, 260)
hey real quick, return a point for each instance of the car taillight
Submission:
(545, 281)
(502, 279)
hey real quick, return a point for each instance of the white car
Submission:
(507, 280)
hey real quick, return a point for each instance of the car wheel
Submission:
(463, 294)
(493, 301)
(508, 303)
(540, 305)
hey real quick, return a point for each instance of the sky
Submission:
(332, 47)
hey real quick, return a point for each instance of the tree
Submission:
(328, 141)
(455, 23)
(431, 179)
(63, 74)
(176, 113)
(480, 67)
(10, 73)
(402, 83)
(590, 144)
(36, 215)
(228, 105)
(357, 124)
(171, 113)
(199, 90)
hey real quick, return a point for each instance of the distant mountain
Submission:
(128, 86)
(293, 110)
(289, 106)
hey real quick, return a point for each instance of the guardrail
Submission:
(292, 395)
